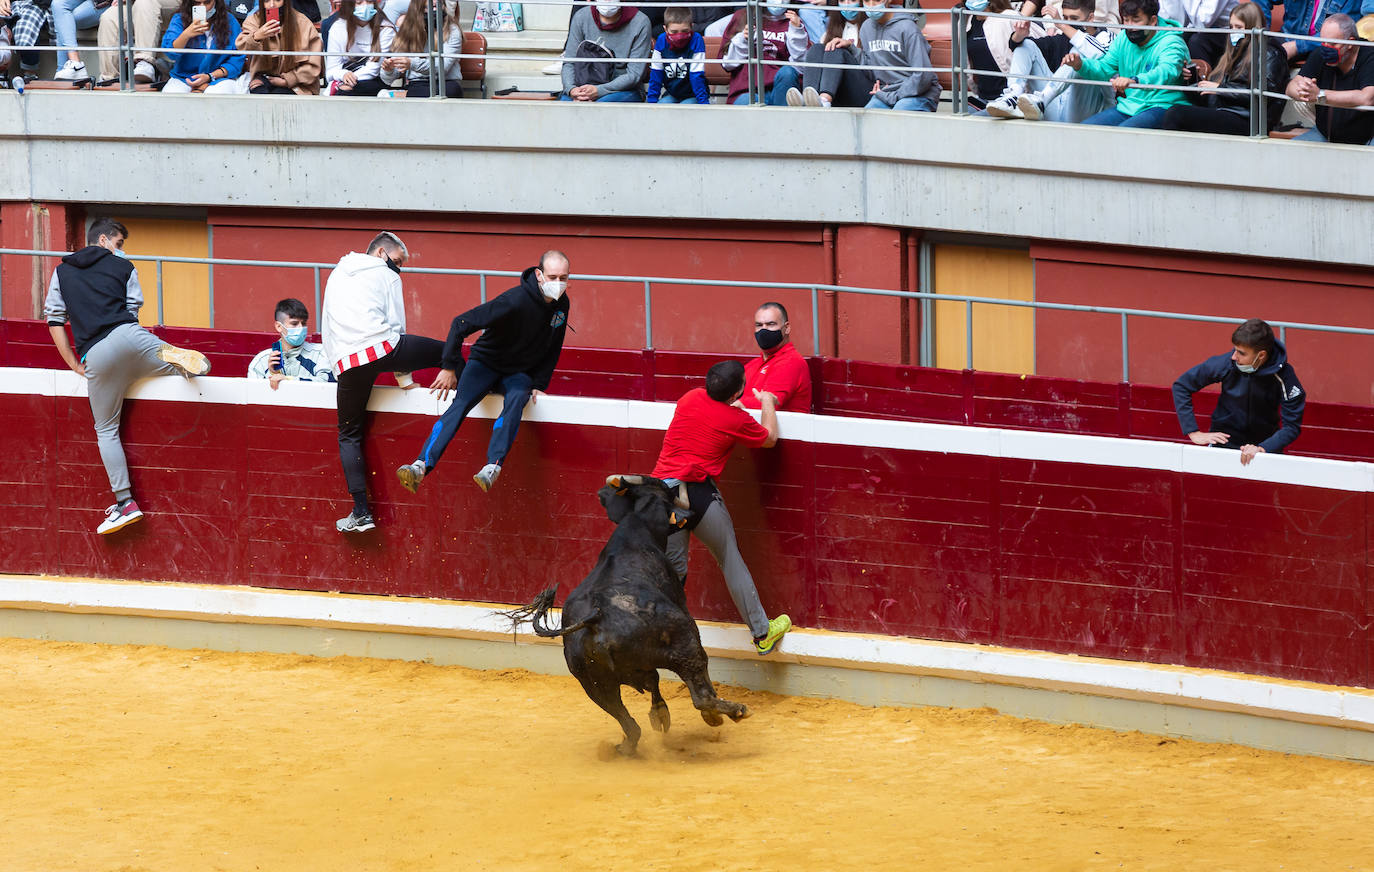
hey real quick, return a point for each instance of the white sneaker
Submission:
(553, 69)
(72, 71)
(486, 476)
(1005, 107)
(812, 97)
(794, 97)
(144, 73)
(1032, 106)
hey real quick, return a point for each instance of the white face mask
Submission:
(608, 10)
(553, 289)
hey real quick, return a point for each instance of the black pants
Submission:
(265, 88)
(846, 87)
(1200, 119)
(355, 389)
(452, 89)
(364, 88)
(1208, 47)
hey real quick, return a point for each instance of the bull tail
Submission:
(537, 611)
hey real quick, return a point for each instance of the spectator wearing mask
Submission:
(891, 40)
(291, 357)
(1211, 112)
(1338, 79)
(1262, 401)
(151, 18)
(68, 16)
(1059, 99)
(28, 19)
(783, 41)
(1202, 13)
(1303, 19)
(96, 290)
(1103, 12)
(212, 27)
(276, 25)
(839, 44)
(677, 68)
(1144, 57)
(621, 30)
(412, 35)
(780, 370)
(356, 42)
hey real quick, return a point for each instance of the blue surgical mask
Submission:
(851, 12)
(209, 12)
(1237, 37)
(294, 337)
(119, 252)
(880, 11)
(776, 11)
(364, 13)
(975, 5)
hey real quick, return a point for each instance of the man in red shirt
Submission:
(780, 370)
(706, 426)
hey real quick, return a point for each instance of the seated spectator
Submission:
(218, 73)
(1144, 57)
(69, 16)
(891, 40)
(621, 30)
(291, 357)
(1003, 35)
(278, 26)
(309, 8)
(1303, 19)
(27, 22)
(1060, 99)
(1258, 387)
(1202, 13)
(838, 44)
(1211, 112)
(1104, 11)
(677, 68)
(783, 39)
(150, 20)
(1337, 79)
(412, 35)
(364, 34)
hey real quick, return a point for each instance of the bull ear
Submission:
(616, 503)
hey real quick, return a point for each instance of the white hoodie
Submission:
(364, 313)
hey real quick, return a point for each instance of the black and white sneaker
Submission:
(1032, 107)
(352, 523)
(411, 475)
(1004, 107)
(119, 516)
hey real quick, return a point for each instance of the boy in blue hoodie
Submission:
(677, 72)
(1144, 57)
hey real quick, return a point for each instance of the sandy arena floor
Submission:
(141, 758)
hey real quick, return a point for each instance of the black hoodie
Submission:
(1248, 410)
(92, 290)
(523, 332)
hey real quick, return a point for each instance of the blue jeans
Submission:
(906, 104)
(665, 97)
(475, 382)
(614, 97)
(1314, 135)
(69, 16)
(1116, 118)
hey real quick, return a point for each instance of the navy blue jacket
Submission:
(1248, 410)
(521, 332)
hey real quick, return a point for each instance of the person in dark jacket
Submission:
(1258, 385)
(1212, 112)
(96, 290)
(522, 337)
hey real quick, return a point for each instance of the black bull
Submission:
(628, 618)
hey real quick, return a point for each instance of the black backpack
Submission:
(596, 72)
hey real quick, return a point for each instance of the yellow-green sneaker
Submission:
(776, 629)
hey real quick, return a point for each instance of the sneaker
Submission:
(777, 628)
(553, 69)
(812, 97)
(72, 71)
(794, 97)
(145, 73)
(189, 362)
(1032, 106)
(119, 516)
(486, 476)
(1004, 107)
(333, 88)
(352, 523)
(411, 475)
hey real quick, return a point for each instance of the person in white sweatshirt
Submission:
(364, 32)
(364, 326)
(1059, 98)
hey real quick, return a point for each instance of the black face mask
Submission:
(391, 264)
(1139, 37)
(768, 339)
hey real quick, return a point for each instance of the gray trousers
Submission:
(717, 531)
(126, 354)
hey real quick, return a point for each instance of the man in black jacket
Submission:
(522, 337)
(96, 289)
(1257, 382)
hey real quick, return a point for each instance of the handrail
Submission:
(648, 282)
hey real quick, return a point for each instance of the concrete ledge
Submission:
(1204, 705)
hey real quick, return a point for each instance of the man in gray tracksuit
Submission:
(96, 290)
(891, 38)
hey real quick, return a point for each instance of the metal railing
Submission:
(928, 299)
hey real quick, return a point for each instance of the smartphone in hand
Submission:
(273, 14)
(197, 12)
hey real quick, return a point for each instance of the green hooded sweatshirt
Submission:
(1158, 62)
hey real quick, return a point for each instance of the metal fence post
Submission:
(753, 24)
(925, 269)
(1125, 351)
(434, 11)
(1257, 83)
(482, 287)
(958, 56)
(161, 311)
(122, 58)
(317, 296)
(648, 318)
(815, 323)
(968, 333)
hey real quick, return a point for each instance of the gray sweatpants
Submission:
(126, 354)
(717, 531)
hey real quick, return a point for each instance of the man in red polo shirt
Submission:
(707, 423)
(780, 370)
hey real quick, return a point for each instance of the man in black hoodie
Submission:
(96, 289)
(522, 337)
(1257, 383)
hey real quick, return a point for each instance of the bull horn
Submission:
(618, 481)
(682, 502)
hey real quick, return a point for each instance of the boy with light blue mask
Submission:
(291, 357)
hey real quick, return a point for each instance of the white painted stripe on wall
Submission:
(831, 429)
(1346, 707)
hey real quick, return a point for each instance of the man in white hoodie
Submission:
(364, 325)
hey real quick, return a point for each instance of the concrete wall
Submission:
(1203, 194)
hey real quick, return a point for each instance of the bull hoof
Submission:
(627, 748)
(659, 718)
(712, 717)
(739, 713)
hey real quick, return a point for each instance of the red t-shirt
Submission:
(785, 374)
(699, 439)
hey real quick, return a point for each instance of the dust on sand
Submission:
(145, 758)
